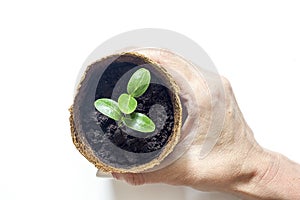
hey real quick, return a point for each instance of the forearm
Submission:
(274, 177)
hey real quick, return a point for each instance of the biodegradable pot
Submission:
(117, 149)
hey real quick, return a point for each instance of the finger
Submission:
(131, 178)
(165, 175)
(137, 178)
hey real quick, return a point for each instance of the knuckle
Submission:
(226, 83)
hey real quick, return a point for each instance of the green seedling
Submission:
(123, 110)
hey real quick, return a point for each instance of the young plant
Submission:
(123, 110)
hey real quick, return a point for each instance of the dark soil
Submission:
(148, 142)
(120, 146)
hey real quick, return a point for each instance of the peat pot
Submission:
(108, 144)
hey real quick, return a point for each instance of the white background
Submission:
(255, 44)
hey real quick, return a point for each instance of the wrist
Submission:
(273, 177)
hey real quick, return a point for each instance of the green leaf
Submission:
(127, 103)
(139, 122)
(138, 82)
(109, 108)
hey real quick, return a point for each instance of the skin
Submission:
(237, 164)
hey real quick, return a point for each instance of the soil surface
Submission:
(121, 146)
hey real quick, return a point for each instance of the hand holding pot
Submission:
(236, 164)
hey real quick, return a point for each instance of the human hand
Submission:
(232, 164)
(233, 144)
